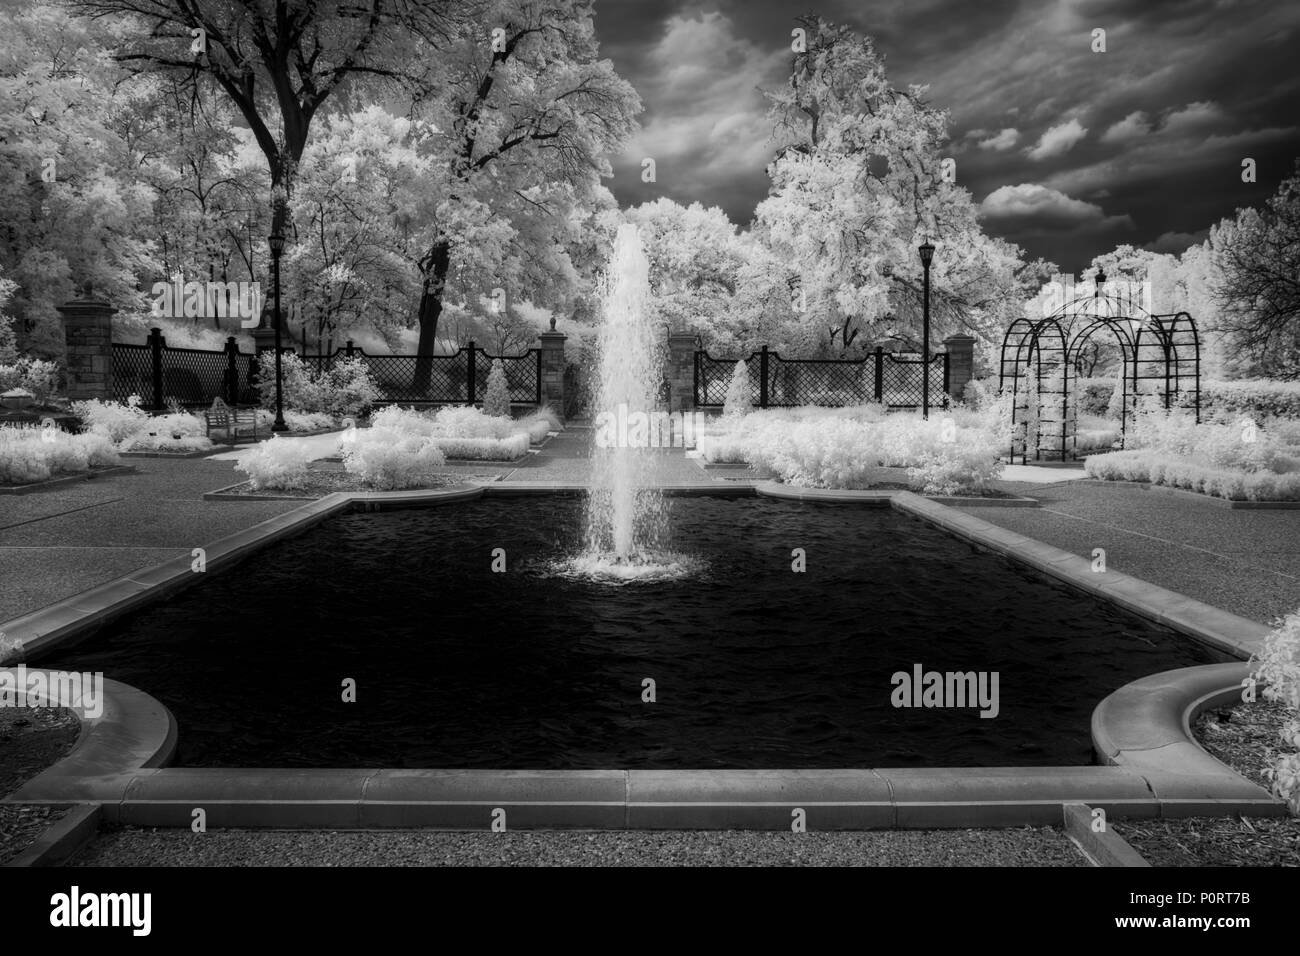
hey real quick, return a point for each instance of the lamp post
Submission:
(927, 253)
(277, 247)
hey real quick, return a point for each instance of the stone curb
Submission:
(1102, 848)
(38, 486)
(177, 455)
(116, 759)
(63, 839)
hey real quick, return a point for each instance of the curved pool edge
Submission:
(1154, 769)
(133, 731)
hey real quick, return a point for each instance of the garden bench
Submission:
(232, 424)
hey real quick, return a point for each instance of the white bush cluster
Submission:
(496, 400)
(464, 428)
(278, 463)
(345, 389)
(1279, 668)
(1159, 468)
(389, 460)
(114, 420)
(838, 448)
(30, 454)
(131, 428)
(1239, 461)
(34, 375)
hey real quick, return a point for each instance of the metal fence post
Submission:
(880, 374)
(470, 383)
(945, 380)
(762, 378)
(232, 371)
(348, 350)
(156, 343)
(537, 354)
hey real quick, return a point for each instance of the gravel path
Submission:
(1024, 847)
(1243, 561)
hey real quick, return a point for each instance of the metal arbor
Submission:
(1160, 355)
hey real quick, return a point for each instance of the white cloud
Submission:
(1002, 141)
(1057, 140)
(1194, 118)
(1035, 208)
(709, 121)
(1134, 126)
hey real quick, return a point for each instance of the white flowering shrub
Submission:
(466, 421)
(405, 421)
(1278, 667)
(539, 424)
(114, 420)
(345, 389)
(1240, 461)
(484, 449)
(279, 463)
(29, 454)
(738, 401)
(828, 451)
(1175, 472)
(1261, 397)
(37, 376)
(496, 399)
(179, 431)
(389, 460)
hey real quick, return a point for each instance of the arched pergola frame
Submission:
(1160, 355)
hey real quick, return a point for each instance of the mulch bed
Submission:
(1245, 737)
(31, 739)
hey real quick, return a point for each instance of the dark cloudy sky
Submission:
(1068, 152)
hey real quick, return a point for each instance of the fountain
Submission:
(625, 523)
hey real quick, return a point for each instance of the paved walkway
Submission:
(57, 543)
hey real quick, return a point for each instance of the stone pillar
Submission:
(961, 364)
(88, 339)
(680, 371)
(552, 358)
(264, 339)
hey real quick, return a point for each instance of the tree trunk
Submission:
(435, 284)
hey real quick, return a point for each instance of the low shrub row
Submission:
(29, 454)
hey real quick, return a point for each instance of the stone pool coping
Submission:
(1155, 768)
(118, 763)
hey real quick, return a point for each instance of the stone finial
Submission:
(552, 323)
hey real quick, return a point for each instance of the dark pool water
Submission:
(754, 665)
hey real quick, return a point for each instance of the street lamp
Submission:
(277, 248)
(927, 253)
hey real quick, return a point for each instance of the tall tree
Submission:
(75, 207)
(280, 61)
(1258, 253)
(528, 113)
(858, 184)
